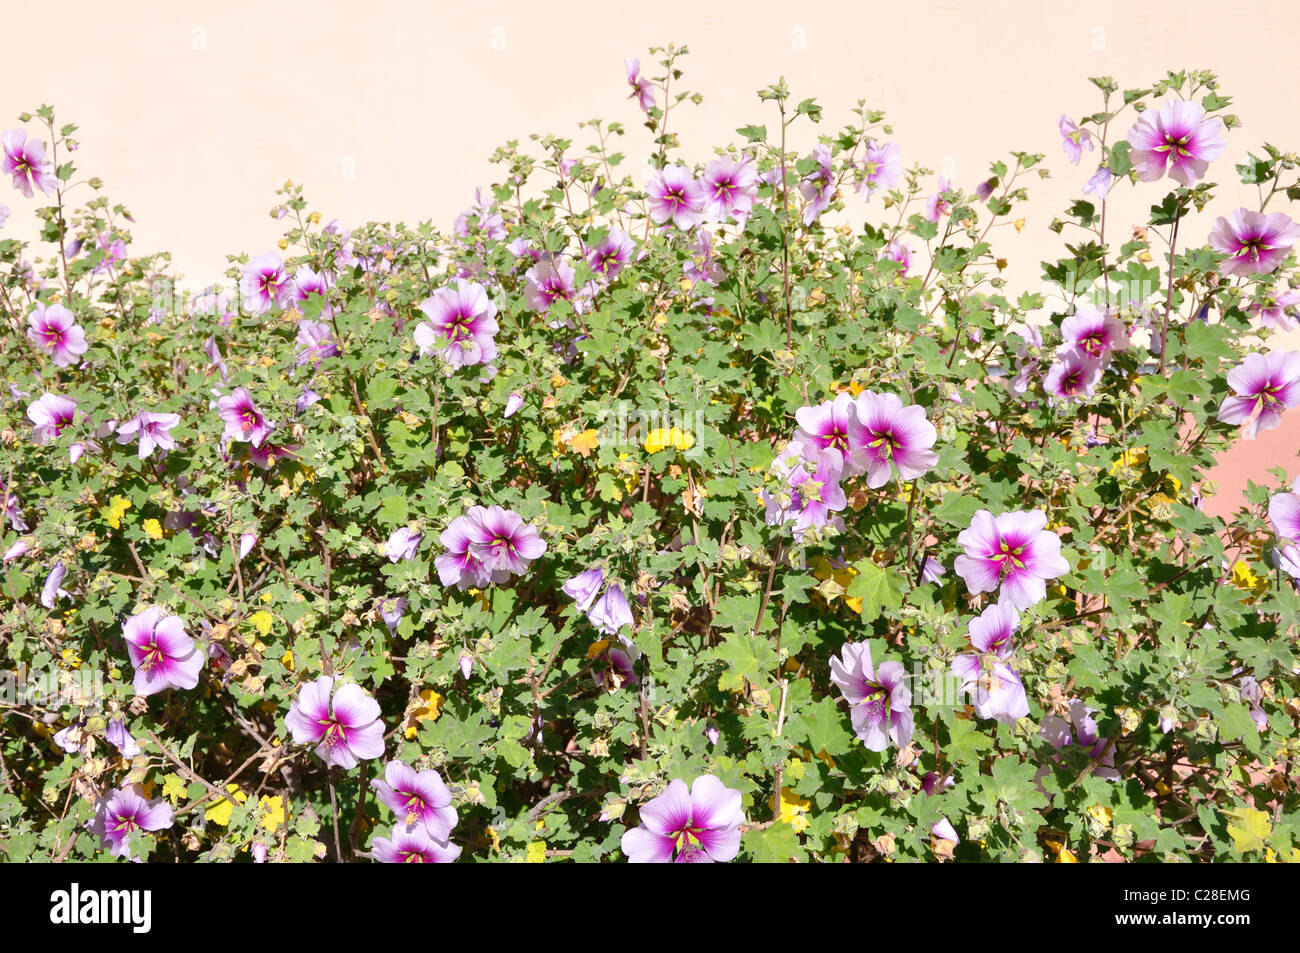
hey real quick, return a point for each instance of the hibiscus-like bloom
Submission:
(1099, 184)
(125, 811)
(404, 543)
(462, 325)
(26, 161)
(674, 194)
(642, 88)
(243, 420)
(1265, 385)
(55, 330)
(306, 282)
(1255, 242)
(117, 735)
(513, 403)
(412, 846)
(343, 728)
(1073, 375)
(937, 205)
(812, 490)
(699, 825)
(458, 566)
(1177, 139)
(1095, 332)
(998, 691)
(1284, 513)
(730, 188)
(1012, 553)
(610, 612)
(163, 655)
(151, 430)
(896, 437)
(549, 281)
(882, 168)
(608, 256)
(880, 703)
(502, 541)
(51, 414)
(265, 284)
(419, 798)
(584, 587)
(818, 186)
(1073, 139)
(1081, 729)
(1277, 312)
(831, 424)
(53, 588)
(316, 339)
(900, 252)
(993, 629)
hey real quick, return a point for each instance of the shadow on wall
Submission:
(1251, 460)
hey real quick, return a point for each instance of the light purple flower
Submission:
(124, 812)
(896, 438)
(549, 281)
(306, 282)
(642, 88)
(462, 325)
(163, 655)
(466, 663)
(265, 284)
(16, 551)
(900, 252)
(699, 825)
(832, 424)
(937, 205)
(404, 543)
(584, 587)
(1277, 312)
(1095, 332)
(344, 727)
(513, 403)
(152, 430)
(243, 420)
(1265, 385)
(1177, 139)
(730, 188)
(608, 256)
(117, 735)
(52, 591)
(674, 194)
(610, 612)
(1012, 554)
(812, 490)
(502, 541)
(1284, 513)
(412, 846)
(52, 415)
(931, 569)
(818, 186)
(1073, 375)
(1099, 184)
(998, 691)
(943, 830)
(993, 629)
(26, 161)
(55, 330)
(246, 543)
(458, 566)
(882, 168)
(418, 798)
(879, 699)
(390, 610)
(1081, 729)
(1255, 242)
(316, 339)
(1073, 139)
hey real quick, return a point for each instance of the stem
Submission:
(1169, 295)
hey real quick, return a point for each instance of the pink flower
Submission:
(1013, 554)
(1177, 139)
(163, 655)
(584, 587)
(896, 438)
(343, 728)
(1073, 376)
(1277, 312)
(513, 403)
(26, 161)
(818, 186)
(1265, 385)
(458, 566)
(811, 489)
(412, 846)
(55, 330)
(674, 194)
(730, 188)
(611, 612)
(882, 168)
(1073, 139)
(126, 811)
(418, 798)
(243, 420)
(547, 282)
(462, 325)
(1255, 243)
(265, 284)
(1284, 513)
(1095, 332)
(52, 415)
(879, 699)
(642, 88)
(900, 252)
(937, 205)
(502, 541)
(608, 256)
(404, 543)
(699, 825)
(152, 430)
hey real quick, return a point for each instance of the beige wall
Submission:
(194, 113)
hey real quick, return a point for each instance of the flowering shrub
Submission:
(658, 516)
